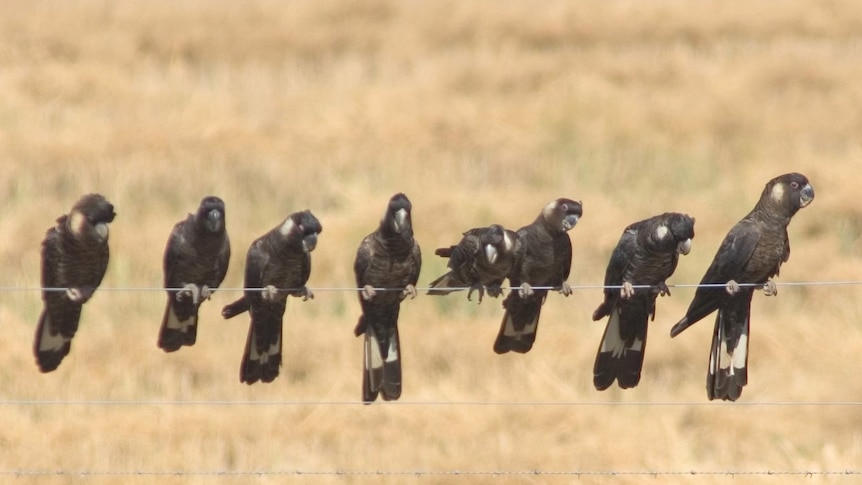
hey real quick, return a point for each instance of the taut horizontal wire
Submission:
(417, 473)
(508, 288)
(227, 403)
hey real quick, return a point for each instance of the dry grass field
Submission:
(481, 112)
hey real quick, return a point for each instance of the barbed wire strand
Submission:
(420, 473)
(287, 403)
(508, 288)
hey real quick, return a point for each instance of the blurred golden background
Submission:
(481, 112)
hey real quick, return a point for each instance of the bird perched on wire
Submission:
(546, 264)
(74, 259)
(387, 268)
(480, 261)
(195, 263)
(277, 265)
(751, 253)
(646, 255)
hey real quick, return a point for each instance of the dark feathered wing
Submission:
(729, 350)
(462, 258)
(278, 264)
(74, 261)
(197, 261)
(387, 258)
(546, 262)
(261, 357)
(58, 321)
(753, 251)
(728, 263)
(644, 258)
(621, 351)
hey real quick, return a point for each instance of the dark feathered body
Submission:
(386, 258)
(546, 262)
(647, 254)
(74, 256)
(751, 253)
(195, 263)
(279, 262)
(481, 260)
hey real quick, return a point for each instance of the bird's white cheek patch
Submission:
(661, 231)
(286, 227)
(78, 223)
(777, 193)
(549, 209)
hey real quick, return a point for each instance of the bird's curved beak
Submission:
(570, 221)
(806, 195)
(102, 230)
(309, 242)
(400, 220)
(491, 253)
(684, 247)
(214, 221)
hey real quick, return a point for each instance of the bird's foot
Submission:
(206, 292)
(525, 290)
(627, 291)
(79, 295)
(368, 292)
(410, 291)
(478, 288)
(565, 289)
(269, 293)
(770, 288)
(305, 294)
(663, 290)
(190, 290)
(73, 294)
(494, 290)
(732, 287)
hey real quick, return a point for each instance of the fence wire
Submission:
(298, 473)
(508, 288)
(427, 473)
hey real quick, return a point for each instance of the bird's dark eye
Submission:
(794, 185)
(565, 207)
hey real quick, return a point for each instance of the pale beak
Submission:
(806, 195)
(491, 253)
(400, 218)
(684, 247)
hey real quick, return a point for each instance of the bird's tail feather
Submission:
(519, 325)
(49, 348)
(444, 252)
(381, 364)
(728, 359)
(372, 366)
(261, 359)
(233, 309)
(391, 388)
(619, 358)
(175, 333)
(441, 285)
